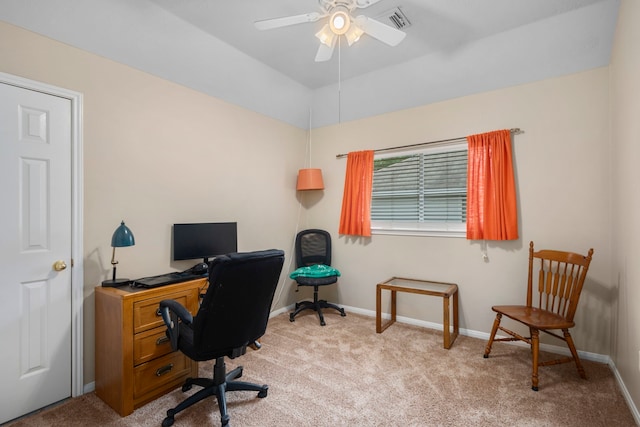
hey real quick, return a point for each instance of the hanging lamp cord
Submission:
(339, 80)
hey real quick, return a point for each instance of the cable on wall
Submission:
(307, 156)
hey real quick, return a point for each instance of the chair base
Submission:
(218, 386)
(317, 306)
(534, 342)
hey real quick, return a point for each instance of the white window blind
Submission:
(421, 192)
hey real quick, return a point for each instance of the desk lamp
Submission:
(122, 237)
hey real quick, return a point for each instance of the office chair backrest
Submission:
(313, 246)
(235, 309)
(560, 277)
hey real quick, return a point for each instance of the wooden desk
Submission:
(423, 287)
(134, 361)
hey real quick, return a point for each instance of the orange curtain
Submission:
(491, 191)
(355, 218)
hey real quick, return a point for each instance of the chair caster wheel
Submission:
(534, 388)
(263, 393)
(342, 313)
(322, 323)
(292, 318)
(225, 420)
(167, 422)
(186, 387)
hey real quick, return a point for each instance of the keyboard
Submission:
(165, 279)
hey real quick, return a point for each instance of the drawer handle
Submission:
(162, 340)
(164, 370)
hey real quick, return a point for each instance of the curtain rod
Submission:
(514, 131)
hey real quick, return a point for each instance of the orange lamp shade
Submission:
(310, 179)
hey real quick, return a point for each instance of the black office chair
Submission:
(313, 247)
(233, 314)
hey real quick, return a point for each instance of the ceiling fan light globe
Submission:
(354, 34)
(340, 21)
(326, 36)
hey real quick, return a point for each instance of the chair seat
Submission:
(316, 281)
(533, 317)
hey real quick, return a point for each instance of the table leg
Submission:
(393, 305)
(378, 309)
(379, 326)
(445, 323)
(456, 327)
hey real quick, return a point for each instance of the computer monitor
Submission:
(204, 240)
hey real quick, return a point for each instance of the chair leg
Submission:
(535, 347)
(195, 398)
(574, 353)
(494, 329)
(317, 306)
(218, 386)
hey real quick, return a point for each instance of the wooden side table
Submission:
(448, 291)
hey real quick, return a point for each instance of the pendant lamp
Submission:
(310, 179)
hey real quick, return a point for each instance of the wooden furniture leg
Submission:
(535, 347)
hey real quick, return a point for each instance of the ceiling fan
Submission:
(340, 23)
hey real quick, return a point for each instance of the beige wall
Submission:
(156, 153)
(625, 124)
(562, 164)
(183, 156)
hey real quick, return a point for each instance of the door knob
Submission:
(59, 265)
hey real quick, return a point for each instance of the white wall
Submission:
(625, 124)
(156, 153)
(562, 166)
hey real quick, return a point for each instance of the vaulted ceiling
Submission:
(453, 48)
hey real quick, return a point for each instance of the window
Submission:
(421, 192)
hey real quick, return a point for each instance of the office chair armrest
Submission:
(182, 313)
(171, 311)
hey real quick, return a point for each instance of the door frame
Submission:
(77, 261)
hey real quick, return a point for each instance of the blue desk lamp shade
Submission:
(121, 238)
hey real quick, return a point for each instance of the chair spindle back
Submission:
(560, 276)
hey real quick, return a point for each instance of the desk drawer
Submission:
(150, 344)
(153, 375)
(146, 313)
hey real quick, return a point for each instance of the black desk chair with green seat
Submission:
(233, 314)
(313, 248)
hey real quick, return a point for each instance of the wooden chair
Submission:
(559, 283)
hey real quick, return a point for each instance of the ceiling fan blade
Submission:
(380, 31)
(361, 4)
(268, 24)
(325, 52)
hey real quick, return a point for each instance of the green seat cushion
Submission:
(318, 270)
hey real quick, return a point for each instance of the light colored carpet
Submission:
(344, 374)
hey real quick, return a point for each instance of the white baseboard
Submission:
(625, 393)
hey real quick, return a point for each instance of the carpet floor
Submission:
(344, 374)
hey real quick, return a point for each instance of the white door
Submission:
(35, 233)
